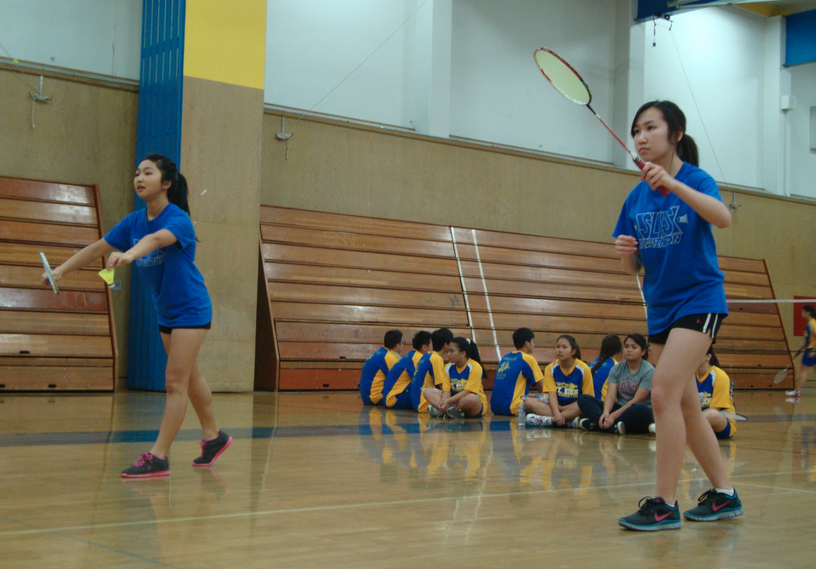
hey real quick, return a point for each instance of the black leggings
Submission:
(636, 418)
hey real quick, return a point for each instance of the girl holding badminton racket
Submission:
(161, 241)
(670, 238)
(809, 347)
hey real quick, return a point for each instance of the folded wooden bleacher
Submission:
(332, 285)
(52, 342)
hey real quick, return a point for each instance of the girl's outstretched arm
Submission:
(80, 259)
(145, 246)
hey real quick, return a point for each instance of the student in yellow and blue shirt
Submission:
(611, 354)
(377, 366)
(518, 371)
(564, 380)
(430, 372)
(716, 395)
(396, 391)
(465, 372)
(809, 357)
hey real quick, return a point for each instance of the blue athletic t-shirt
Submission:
(599, 376)
(677, 249)
(176, 285)
(516, 374)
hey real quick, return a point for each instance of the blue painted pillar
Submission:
(159, 130)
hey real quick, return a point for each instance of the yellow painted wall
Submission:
(226, 41)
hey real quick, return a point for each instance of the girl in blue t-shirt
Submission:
(670, 238)
(611, 351)
(809, 357)
(161, 241)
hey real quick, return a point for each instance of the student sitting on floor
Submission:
(376, 368)
(518, 371)
(564, 380)
(627, 406)
(467, 397)
(716, 394)
(611, 351)
(430, 371)
(396, 388)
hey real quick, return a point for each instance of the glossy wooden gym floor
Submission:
(318, 480)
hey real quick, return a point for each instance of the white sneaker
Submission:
(620, 428)
(533, 420)
(575, 423)
(794, 393)
(652, 428)
(434, 412)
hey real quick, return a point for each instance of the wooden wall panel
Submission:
(52, 341)
(333, 289)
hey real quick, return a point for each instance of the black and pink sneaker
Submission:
(147, 467)
(212, 449)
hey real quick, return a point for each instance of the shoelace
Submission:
(706, 496)
(648, 505)
(146, 457)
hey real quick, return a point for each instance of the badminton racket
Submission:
(781, 375)
(49, 274)
(735, 416)
(567, 81)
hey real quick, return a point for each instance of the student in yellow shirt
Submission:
(377, 366)
(396, 391)
(564, 380)
(430, 373)
(465, 373)
(716, 395)
(809, 357)
(517, 374)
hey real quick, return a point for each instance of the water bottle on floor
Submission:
(522, 414)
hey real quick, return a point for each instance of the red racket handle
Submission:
(641, 164)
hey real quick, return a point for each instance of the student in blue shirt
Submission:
(372, 376)
(611, 354)
(518, 371)
(161, 241)
(396, 391)
(670, 238)
(809, 357)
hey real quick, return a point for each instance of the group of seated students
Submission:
(442, 376)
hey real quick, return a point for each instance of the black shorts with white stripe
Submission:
(706, 323)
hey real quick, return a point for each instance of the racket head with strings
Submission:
(562, 76)
(48, 272)
(781, 376)
(567, 81)
(735, 416)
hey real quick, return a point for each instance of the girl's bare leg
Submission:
(182, 348)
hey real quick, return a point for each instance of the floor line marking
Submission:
(363, 505)
(57, 533)
(765, 487)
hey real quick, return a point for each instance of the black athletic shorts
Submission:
(705, 323)
(168, 330)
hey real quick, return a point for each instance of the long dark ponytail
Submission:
(713, 361)
(676, 121)
(471, 349)
(177, 192)
(610, 346)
